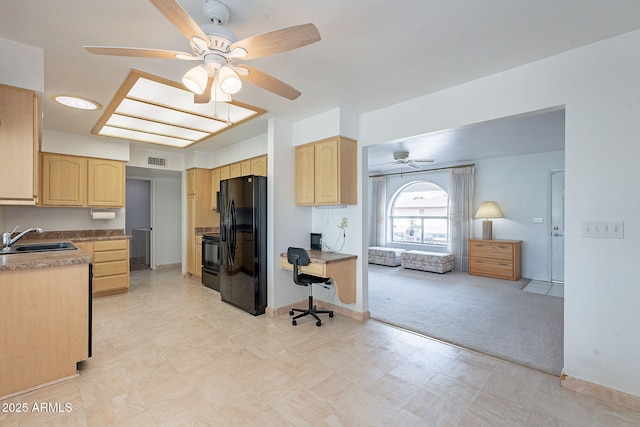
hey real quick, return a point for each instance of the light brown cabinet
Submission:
(259, 165)
(495, 258)
(326, 172)
(81, 181)
(235, 170)
(199, 214)
(19, 146)
(45, 318)
(215, 187)
(64, 180)
(253, 166)
(106, 183)
(110, 267)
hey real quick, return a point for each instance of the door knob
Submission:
(556, 235)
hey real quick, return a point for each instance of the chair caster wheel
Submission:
(291, 313)
(330, 314)
(294, 323)
(318, 323)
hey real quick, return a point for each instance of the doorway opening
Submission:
(138, 222)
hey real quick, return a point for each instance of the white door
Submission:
(557, 226)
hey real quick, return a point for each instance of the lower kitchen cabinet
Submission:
(110, 267)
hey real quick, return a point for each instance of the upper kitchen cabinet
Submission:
(235, 170)
(82, 182)
(326, 172)
(64, 180)
(259, 165)
(252, 166)
(19, 146)
(106, 183)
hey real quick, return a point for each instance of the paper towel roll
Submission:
(103, 215)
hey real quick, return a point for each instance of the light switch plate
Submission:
(603, 229)
(537, 220)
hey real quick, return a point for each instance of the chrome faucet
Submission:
(7, 241)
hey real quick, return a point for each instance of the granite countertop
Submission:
(199, 231)
(322, 257)
(80, 235)
(12, 262)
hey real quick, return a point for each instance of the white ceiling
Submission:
(372, 54)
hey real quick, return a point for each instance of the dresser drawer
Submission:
(110, 268)
(502, 251)
(109, 245)
(107, 256)
(492, 268)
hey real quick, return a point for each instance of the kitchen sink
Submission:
(38, 247)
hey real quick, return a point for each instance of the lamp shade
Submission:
(489, 210)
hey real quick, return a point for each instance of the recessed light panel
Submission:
(151, 109)
(77, 102)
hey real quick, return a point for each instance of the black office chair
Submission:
(300, 257)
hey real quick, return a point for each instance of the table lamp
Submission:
(487, 211)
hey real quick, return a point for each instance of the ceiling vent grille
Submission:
(157, 161)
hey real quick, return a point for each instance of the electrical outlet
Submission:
(344, 223)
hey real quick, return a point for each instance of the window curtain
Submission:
(378, 222)
(460, 215)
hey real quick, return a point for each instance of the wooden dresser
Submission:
(495, 258)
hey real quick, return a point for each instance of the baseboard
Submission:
(600, 392)
(322, 305)
(167, 266)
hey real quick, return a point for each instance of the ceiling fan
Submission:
(401, 158)
(218, 48)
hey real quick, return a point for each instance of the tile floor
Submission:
(545, 288)
(171, 353)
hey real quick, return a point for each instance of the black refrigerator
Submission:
(243, 236)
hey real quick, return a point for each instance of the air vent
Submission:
(157, 161)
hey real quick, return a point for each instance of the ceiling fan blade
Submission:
(205, 96)
(267, 82)
(391, 166)
(424, 161)
(385, 163)
(413, 164)
(278, 41)
(180, 19)
(139, 52)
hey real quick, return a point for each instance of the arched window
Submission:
(419, 214)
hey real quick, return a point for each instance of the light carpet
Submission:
(492, 316)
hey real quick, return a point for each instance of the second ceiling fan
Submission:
(401, 158)
(218, 76)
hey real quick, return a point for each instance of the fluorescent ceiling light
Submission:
(154, 110)
(75, 102)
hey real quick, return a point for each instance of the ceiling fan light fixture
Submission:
(196, 79)
(230, 82)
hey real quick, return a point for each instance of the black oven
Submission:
(211, 260)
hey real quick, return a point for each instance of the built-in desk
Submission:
(340, 267)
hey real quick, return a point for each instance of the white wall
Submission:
(599, 86)
(59, 219)
(521, 186)
(22, 66)
(252, 147)
(84, 145)
(167, 220)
